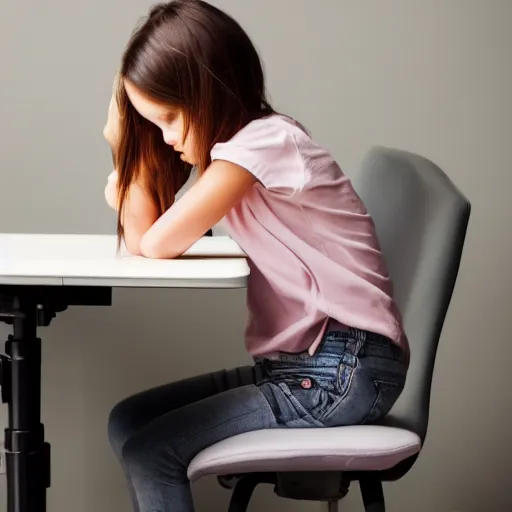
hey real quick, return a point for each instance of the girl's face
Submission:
(170, 121)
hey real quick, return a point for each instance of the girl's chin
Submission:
(185, 159)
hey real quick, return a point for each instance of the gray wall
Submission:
(433, 77)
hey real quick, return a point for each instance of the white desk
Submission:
(41, 275)
(92, 260)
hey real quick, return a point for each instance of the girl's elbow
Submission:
(156, 250)
(149, 249)
(132, 245)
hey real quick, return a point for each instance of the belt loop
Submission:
(361, 338)
(357, 341)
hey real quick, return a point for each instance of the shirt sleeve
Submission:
(269, 151)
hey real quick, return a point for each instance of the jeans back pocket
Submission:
(387, 394)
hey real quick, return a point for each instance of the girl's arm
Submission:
(139, 212)
(214, 194)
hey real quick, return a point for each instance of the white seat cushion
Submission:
(354, 448)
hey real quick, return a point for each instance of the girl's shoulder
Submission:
(277, 150)
(267, 148)
(278, 125)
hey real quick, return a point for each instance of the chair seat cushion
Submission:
(353, 448)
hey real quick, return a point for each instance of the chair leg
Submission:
(242, 494)
(373, 495)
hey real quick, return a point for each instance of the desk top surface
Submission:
(93, 260)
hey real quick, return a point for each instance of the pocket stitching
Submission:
(305, 413)
(351, 377)
(343, 396)
(379, 394)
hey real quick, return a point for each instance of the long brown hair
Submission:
(186, 54)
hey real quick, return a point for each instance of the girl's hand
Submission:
(111, 129)
(111, 193)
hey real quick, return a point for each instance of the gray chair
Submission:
(421, 218)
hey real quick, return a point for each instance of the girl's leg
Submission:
(142, 430)
(354, 378)
(134, 412)
(157, 456)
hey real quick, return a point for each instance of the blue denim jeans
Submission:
(354, 378)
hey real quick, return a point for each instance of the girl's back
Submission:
(313, 247)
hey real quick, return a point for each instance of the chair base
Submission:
(328, 487)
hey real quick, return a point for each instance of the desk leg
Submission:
(27, 454)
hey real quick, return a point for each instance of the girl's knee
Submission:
(151, 455)
(121, 425)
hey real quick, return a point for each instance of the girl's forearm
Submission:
(139, 214)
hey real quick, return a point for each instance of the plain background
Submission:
(432, 77)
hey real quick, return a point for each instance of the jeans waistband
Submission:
(360, 343)
(340, 341)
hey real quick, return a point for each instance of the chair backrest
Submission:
(421, 219)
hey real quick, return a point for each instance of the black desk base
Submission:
(26, 452)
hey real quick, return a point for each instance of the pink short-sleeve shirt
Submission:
(312, 246)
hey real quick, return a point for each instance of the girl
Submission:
(324, 330)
